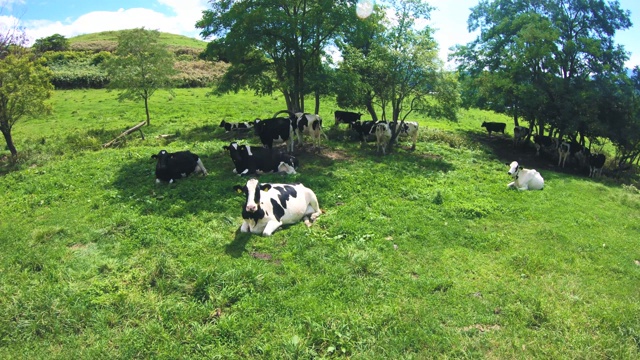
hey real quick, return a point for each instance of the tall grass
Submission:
(420, 254)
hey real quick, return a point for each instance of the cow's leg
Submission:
(200, 168)
(415, 138)
(511, 184)
(272, 226)
(244, 227)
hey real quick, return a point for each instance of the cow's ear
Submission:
(520, 167)
(154, 156)
(225, 147)
(238, 189)
(265, 187)
(507, 163)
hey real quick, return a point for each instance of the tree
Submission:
(274, 45)
(141, 66)
(24, 87)
(537, 59)
(55, 42)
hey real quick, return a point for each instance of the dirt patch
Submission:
(78, 246)
(261, 256)
(335, 155)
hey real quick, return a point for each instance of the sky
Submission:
(42, 18)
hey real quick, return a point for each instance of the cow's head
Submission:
(252, 193)
(163, 159)
(222, 123)
(235, 151)
(514, 168)
(484, 124)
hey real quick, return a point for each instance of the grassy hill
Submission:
(419, 254)
(107, 41)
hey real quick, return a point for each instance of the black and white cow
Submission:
(228, 126)
(494, 126)
(596, 163)
(564, 149)
(408, 129)
(249, 159)
(269, 206)
(174, 166)
(346, 117)
(520, 133)
(363, 128)
(278, 129)
(548, 144)
(383, 135)
(524, 179)
(309, 124)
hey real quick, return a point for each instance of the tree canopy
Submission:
(55, 42)
(141, 66)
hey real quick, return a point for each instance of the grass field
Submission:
(422, 254)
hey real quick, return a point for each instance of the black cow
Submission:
(235, 126)
(173, 166)
(520, 133)
(279, 129)
(346, 117)
(494, 126)
(547, 143)
(596, 163)
(363, 128)
(256, 160)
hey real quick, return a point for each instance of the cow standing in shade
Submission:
(363, 128)
(520, 133)
(383, 135)
(173, 166)
(309, 124)
(408, 129)
(596, 163)
(269, 206)
(524, 179)
(494, 127)
(346, 117)
(275, 129)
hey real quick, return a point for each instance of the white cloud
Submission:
(186, 13)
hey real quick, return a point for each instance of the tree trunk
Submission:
(146, 108)
(9, 140)
(317, 102)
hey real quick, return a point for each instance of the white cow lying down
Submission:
(268, 206)
(524, 179)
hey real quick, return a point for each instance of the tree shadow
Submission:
(210, 132)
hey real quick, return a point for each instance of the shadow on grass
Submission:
(238, 246)
(210, 131)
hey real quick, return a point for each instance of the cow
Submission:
(520, 133)
(363, 128)
(524, 179)
(346, 117)
(548, 144)
(277, 128)
(257, 160)
(494, 127)
(269, 206)
(228, 126)
(596, 163)
(408, 129)
(309, 124)
(383, 135)
(174, 166)
(563, 153)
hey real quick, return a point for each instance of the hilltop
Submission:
(107, 41)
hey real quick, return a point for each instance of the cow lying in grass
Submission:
(269, 206)
(173, 166)
(257, 160)
(524, 179)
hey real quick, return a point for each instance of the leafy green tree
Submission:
(24, 87)
(141, 66)
(55, 42)
(274, 45)
(537, 59)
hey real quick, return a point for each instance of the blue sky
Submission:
(43, 18)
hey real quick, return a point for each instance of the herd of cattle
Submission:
(268, 206)
(553, 147)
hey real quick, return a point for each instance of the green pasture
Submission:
(418, 255)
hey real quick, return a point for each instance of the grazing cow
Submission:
(524, 179)
(363, 128)
(279, 129)
(173, 166)
(408, 129)
(494, 126)
(546, 143)
(346, 117)
(520, 133)
(596, 163)
(383, 135)
(268, 206)
(257, 160)
(309, 124)
(563, 152)
(228, 126)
